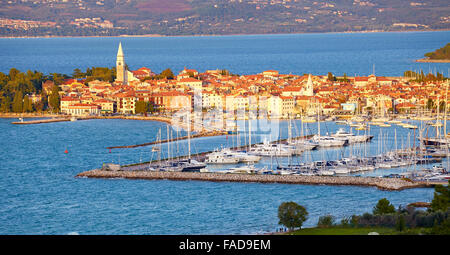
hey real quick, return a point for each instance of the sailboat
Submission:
(438, 140)
(326, 141)
(189, 165)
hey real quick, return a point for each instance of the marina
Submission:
(191, 196)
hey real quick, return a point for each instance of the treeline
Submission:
(422, 77)
(404, 220)
(442, 53)
(95, 73)
(17, 88)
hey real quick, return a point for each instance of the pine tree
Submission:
(17, 105)
(54, 99)
(27, 104)
(5, 105)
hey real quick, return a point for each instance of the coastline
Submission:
(427, 60)
(66, 117)
(216, 35)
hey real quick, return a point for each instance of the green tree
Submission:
(27, 104)
(400, 224)
(5, 105)
(77, 73)
(142, 107)
(3, 80)
(441, 199)
(168, 74)
(325, 221)
(330, 76)
(292, 215)
(345, 77)
(17, 105)
(12, 73)
(54, 99)
(383, 207)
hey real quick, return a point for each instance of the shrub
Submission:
(326, 221)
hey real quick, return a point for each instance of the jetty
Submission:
(393, 184)
(41, 121)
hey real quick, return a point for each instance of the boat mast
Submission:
(445, 111)
(249, 131)
(318, 120)
(189, 134)
(168, 143)
(437, 117)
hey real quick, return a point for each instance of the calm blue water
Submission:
(354, 54)
(39, 194)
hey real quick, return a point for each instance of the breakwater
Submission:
(59, 118)
(380, 183)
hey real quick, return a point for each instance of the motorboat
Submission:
(242, 156)
(221, 157)
(352, 138)
(268, 149)
(329, 141)
(304, 144)
(247, 169)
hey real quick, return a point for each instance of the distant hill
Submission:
(214, 17)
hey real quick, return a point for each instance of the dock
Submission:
(393, 184)
(29, 122)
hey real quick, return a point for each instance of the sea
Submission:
(355, 54)
(39, 193)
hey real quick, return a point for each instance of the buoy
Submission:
(66, 151)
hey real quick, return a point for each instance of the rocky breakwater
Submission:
(381, 183)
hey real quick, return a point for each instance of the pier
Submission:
(60, 118)
(393, 184)
(29, 122)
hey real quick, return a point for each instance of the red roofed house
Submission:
(66, 102)
(270, 73)
(405, 107)
(126, 102)
(107, 106)
(361, 81)
(292, 91)
(83, 109)
(170, 100)
(191, 83)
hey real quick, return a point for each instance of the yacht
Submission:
(433, 141)
(268, 149)
(352, 138)
(189, 165)
(221, 157)
(242, 156)
(247, 169)
(329, 141)
(304, 144)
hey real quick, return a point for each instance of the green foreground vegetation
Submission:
(384, 219)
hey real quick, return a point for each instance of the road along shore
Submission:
(380, 183)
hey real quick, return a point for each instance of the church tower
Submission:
(309, 91)
(121, 72)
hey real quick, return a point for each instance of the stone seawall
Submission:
(380, 183)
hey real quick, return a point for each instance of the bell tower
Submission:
(121, 72)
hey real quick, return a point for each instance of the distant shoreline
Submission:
(427, 60)
(206, 35)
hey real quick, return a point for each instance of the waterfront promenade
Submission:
(380, 183)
